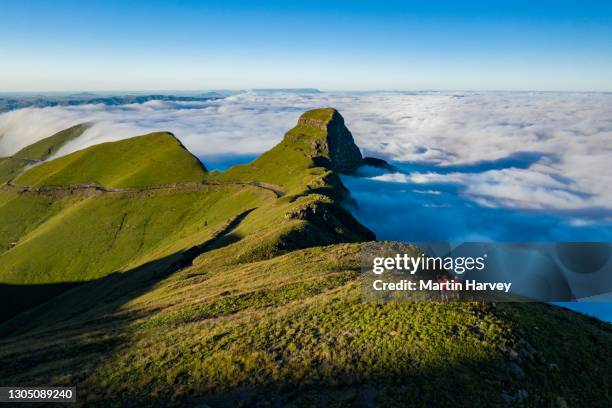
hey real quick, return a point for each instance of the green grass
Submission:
(323, 115)
(45, 148)
(111, 233)
(291, 164)
(153, 159)
(10, 167)
(20, 214)
(287, 165)
(292, 330)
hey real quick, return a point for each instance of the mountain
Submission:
(287, 90)
(14, 101)
(149, 160)
(242, 288)
(10, 167)
(114, 206)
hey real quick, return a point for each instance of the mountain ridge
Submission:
(155, 158)
(96, 201)
(11, 167)
(235, 294)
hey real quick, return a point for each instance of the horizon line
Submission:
(280, 89)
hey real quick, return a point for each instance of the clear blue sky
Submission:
(358, 45)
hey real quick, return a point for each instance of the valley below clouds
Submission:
(482, 166)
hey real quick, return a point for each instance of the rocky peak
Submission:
(332, 139)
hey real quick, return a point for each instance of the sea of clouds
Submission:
(523, 151)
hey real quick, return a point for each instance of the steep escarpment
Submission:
(243, 288)
(335, 142)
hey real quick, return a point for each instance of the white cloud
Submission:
(572, 132)
(521, 188)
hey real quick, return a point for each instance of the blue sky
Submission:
(356, 45)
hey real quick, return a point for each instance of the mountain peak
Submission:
(329, 138)
(153, 159)
(320, 118)
(11, 167)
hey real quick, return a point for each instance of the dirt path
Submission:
(187, 186)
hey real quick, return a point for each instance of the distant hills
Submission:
(17, 101)
(12, 101)
(289, 90)
(130, 271)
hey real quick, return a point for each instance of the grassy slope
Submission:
(110, 232)
(293, 330)
(298, 168)
(41, 233)
(154, 159)
(63, 236)
(45, 148)
(255, 320)
(67, 236)
(10, 167)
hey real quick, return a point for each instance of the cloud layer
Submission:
(467, 140)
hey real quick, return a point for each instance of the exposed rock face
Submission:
(344, 153)
(338, 145)
(331, 218)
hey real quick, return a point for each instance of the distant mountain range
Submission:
(12, 101)
(15, 101)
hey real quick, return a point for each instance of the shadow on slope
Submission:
(293, 331)
(108, 289)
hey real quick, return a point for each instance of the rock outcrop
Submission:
(330, 139)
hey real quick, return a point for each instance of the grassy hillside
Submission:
(10, 167)
(154, 159)
(110, 231)
(303, 158)
(45, 148)
(292, 331)
(59, 228)
(243, 290)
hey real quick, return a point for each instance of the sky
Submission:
(332, 45)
